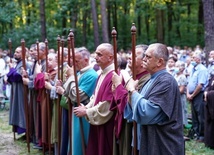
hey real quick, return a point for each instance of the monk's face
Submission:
(52, 62)
(138, 60)
(150, 62)
(18, 53)
(103, 56)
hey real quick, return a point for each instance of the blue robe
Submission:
(86, 84)
(162, 134)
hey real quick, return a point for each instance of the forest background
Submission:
(172, 22)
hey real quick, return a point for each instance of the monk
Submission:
(97, 111)
(157, 107)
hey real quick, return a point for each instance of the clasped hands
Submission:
(80, 111)
(130, 85)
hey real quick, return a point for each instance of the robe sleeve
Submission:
(128, 113)
(14, 76)
(99, 114)
(53, 94)
(70, 91)
(145, 112)
(120, 99)
(39, 81)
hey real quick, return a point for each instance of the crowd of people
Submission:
(84, 105)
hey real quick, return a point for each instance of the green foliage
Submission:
(21, 19)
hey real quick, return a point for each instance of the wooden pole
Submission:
(37, 45)
(59, 96)
(48, 99)
(69, 101)
(133, 32)
(114, 37)
(77, 91)
(25, 96)
(62, 57)
(10, 49)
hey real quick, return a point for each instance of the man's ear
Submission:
(160, 62)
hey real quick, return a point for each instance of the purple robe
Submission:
(17, 110)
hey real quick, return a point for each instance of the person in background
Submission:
(7, 86)
(183, 56)
(195, 90)
(182, 83)
(171, 64)
(2, 66)
(188, 68)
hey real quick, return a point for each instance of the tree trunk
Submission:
(169, 15)
(139, 25)
(110, 8)
(42, 20)
(208, 6)
(64, 21)
(160, 25)
(104, 21)
(115, 15)
(200, 29)
(95, 23)
(28, 13)
(21, 7)
(74, 19)
(188, 14)
(147, 25)
(84, 26)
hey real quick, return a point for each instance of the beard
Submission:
(17, 59)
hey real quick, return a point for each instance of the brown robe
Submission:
(123, 128)
(41, 108)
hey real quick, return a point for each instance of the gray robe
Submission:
(165, 137)
(17, 112)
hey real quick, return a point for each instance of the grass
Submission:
(196, 148)
(7, 143)
(192, 147)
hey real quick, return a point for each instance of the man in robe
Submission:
(87, 77)
(210, 67)
(123, 127)
(97, 111)
(17, 110)
(50, 85)
(51, 77)
(39, 85)
(28, 80)
(209, 114)
(157, 107)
